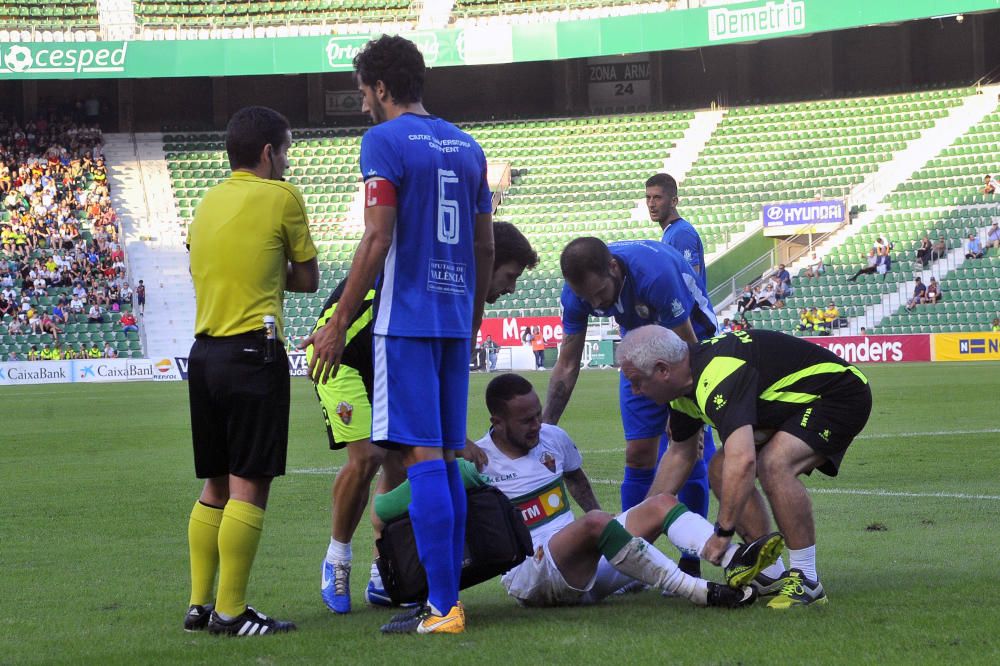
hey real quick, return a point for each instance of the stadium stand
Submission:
(568, 176)
(575, 176)
(59, 235)
(202, 19)
(944, 198)
(50, 15)
(816, 160)
(478, 12)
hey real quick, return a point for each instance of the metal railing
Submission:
(755, 272)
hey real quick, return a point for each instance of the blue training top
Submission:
(659, 287)
(429, 279)
(683, 237)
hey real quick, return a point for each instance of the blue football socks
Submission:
(433, 519)
(457, 489)
(635, 486)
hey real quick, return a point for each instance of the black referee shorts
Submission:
(239, 407)
(830, 424)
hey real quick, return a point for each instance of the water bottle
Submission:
(270, 338)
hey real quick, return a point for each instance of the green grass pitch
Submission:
(97, 484)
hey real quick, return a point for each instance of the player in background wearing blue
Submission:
(637, 283)
(429, 238)
(678, 233)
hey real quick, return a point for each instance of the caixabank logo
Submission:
(26, 59)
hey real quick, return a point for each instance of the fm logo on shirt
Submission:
(543, 505)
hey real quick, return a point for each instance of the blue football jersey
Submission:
(659, 287)
(429, 279)
(683, 237)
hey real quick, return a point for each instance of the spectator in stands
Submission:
(933, 294)
(58, 314)
(996, 324)
(15, 327)
(109, 351)
(919, 294)
(727, 326)
(872, 259)
(924, 251)
(34, 321)
(46, 354)
(6, 307)
(863, 331)
(140, 298)
(973, 248)
(82, 351)
(125, 294)
(49, 326)
(993, 238)
(940, 250)
(76, 306)
(784, 281)
(831, 316)
(34, 354)
(12, 356)
(805, 321)
(764, 295)
(128, 323)
(989, 185)
(815, 267)
(746, 300)
(94, 316)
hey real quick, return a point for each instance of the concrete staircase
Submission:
(154, 240)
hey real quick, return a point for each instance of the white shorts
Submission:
(538, 581)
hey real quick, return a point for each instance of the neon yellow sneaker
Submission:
(752, 558)
(452, 623)
(797, 590)
(423, 621)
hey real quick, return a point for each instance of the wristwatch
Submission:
(723, 532)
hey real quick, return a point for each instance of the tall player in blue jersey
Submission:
(428, 232)
(637, 283)
(678, 233)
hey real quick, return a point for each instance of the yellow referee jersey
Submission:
(244, 232)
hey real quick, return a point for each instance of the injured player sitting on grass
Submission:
(582, 560)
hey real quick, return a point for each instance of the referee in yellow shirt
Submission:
(249, 243)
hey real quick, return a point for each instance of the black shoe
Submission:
(407, 615)
(197, 617)
(690, 566)
(248, 623)
(752, 558)
(724, 596)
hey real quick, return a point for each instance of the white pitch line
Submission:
(874, 492)
(863, 492)
(883, 435)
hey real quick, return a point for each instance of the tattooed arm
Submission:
(580, 489)
(564, 375)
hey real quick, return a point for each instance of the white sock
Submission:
(375, 576)
(690, 532)
(338, 552)
(640, 560)
(804, 559)
(775, 571)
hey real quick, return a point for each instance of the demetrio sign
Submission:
(553, 40)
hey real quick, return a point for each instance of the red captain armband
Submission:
(379, 192)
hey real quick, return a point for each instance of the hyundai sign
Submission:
(786, 219)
